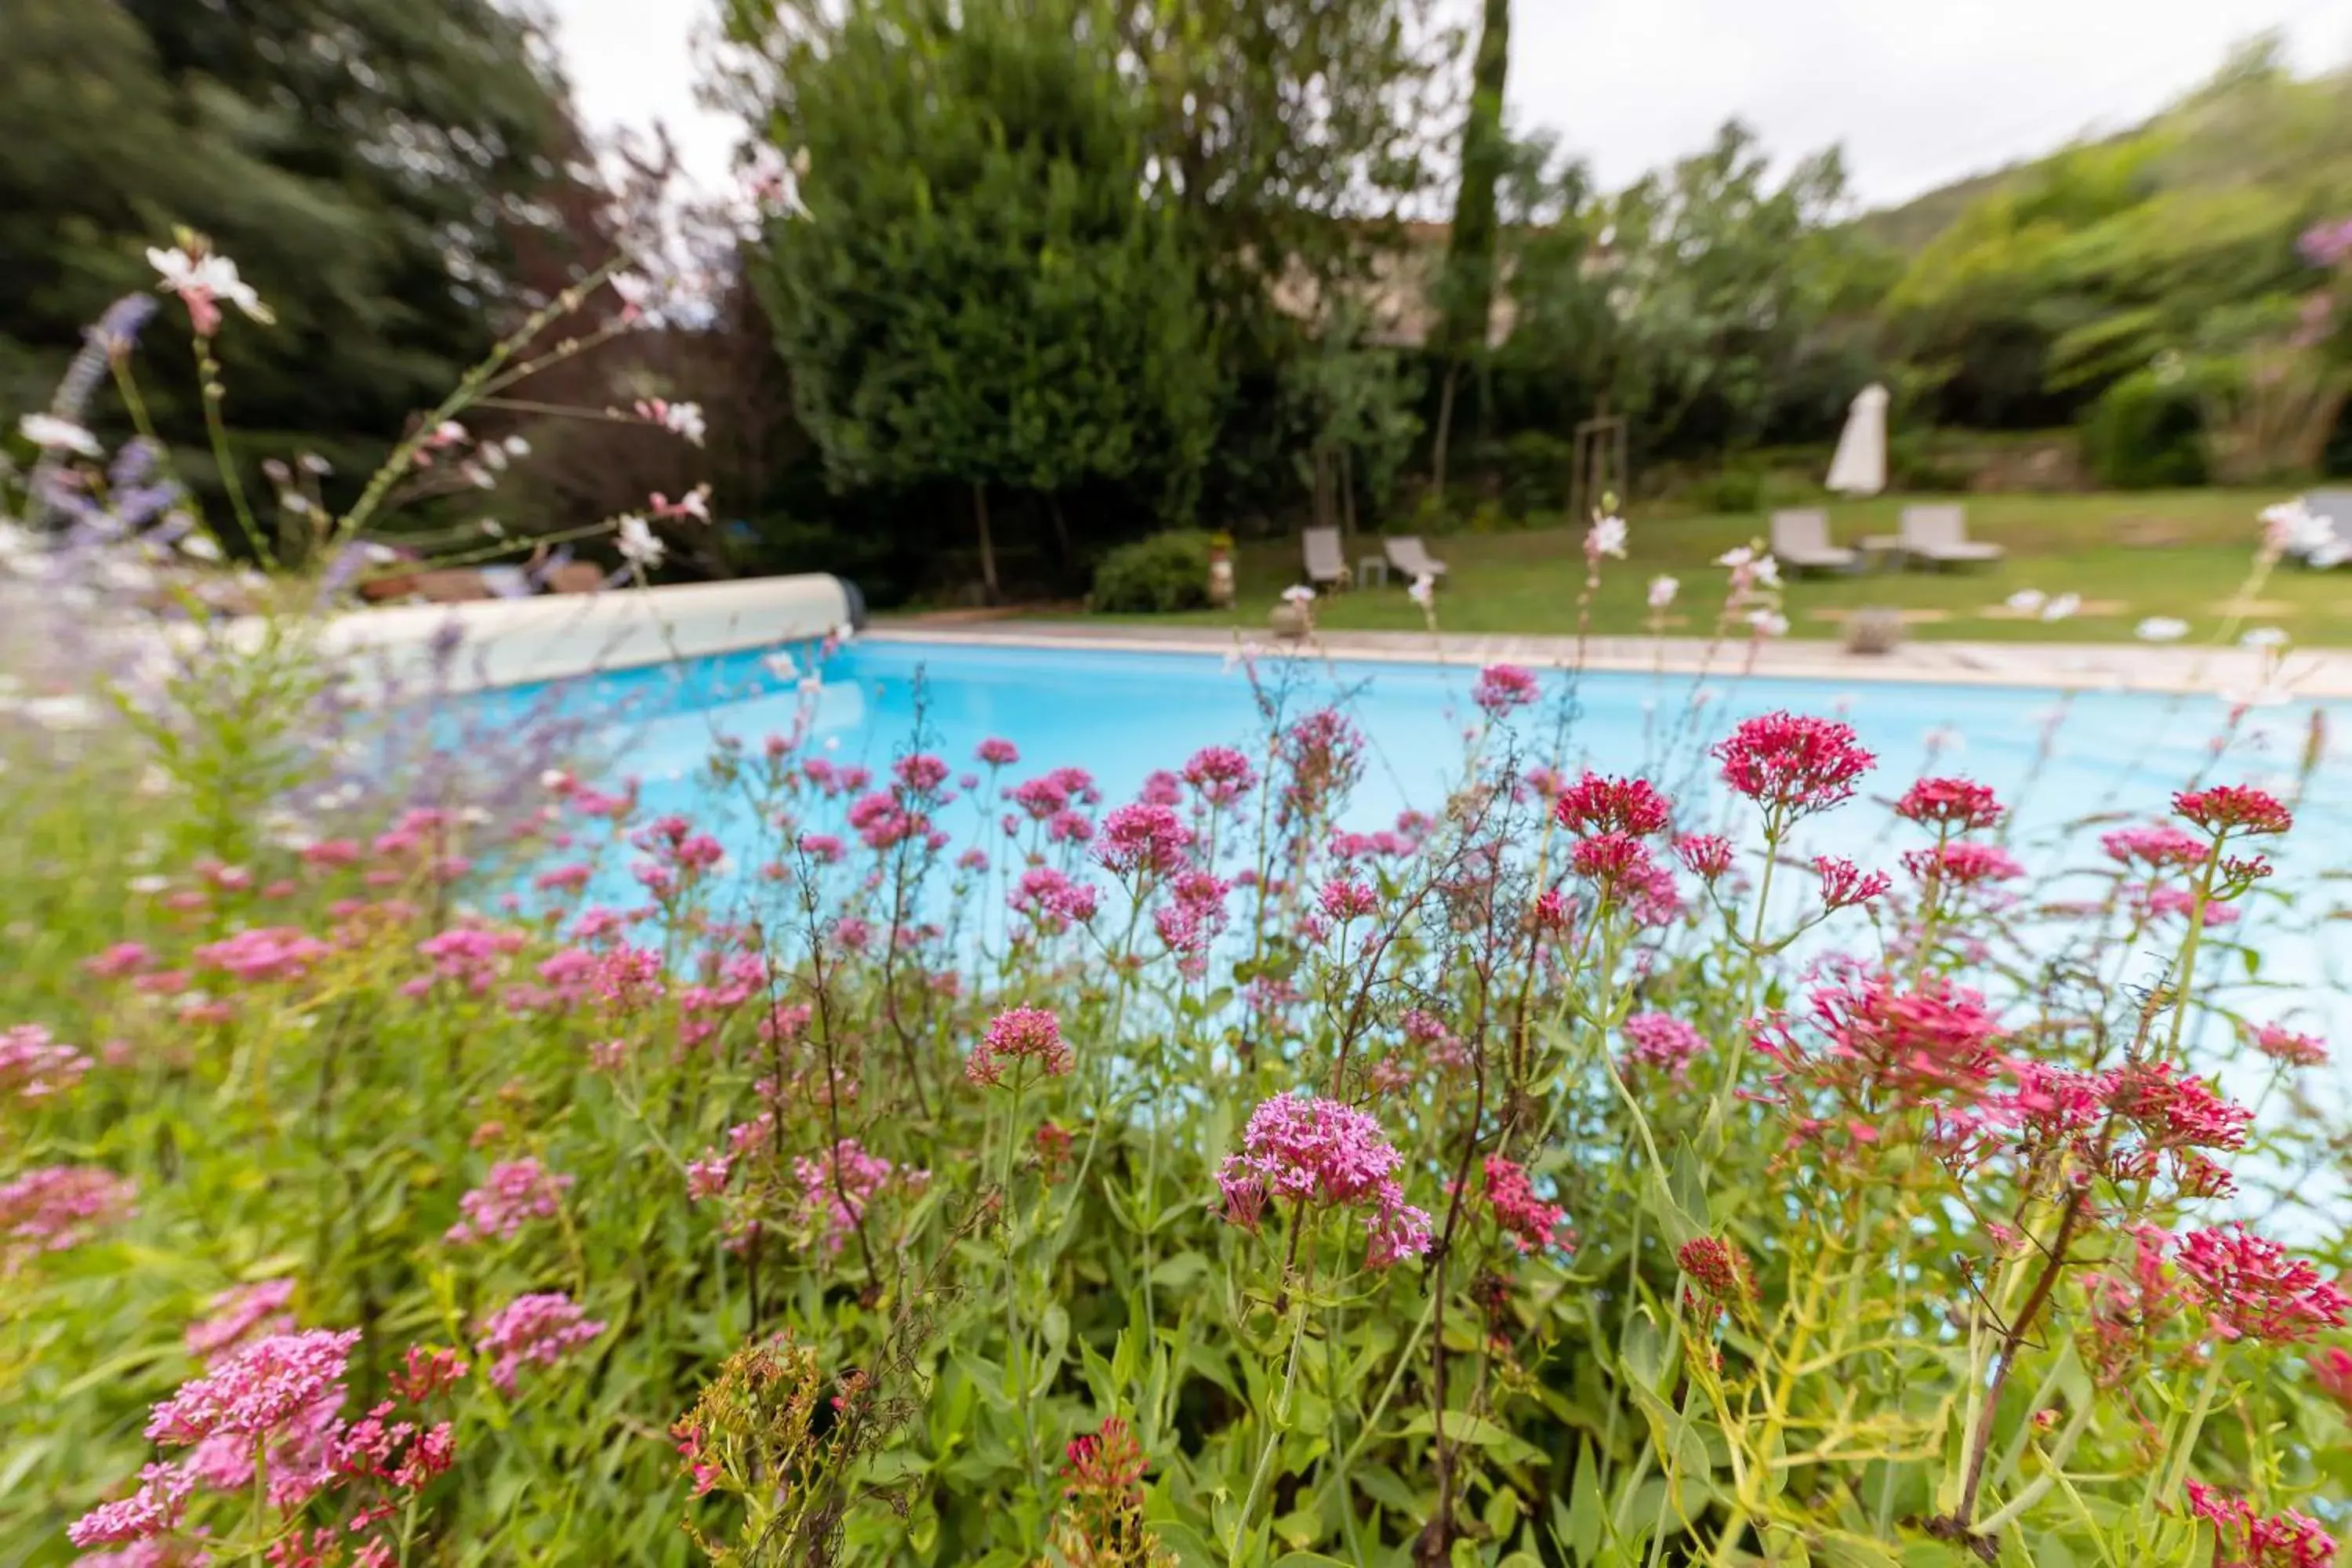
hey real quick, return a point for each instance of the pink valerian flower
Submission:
(998, 752)
(1344, 899)
(1596, 804)
(240, 1315)
(1020, 1034)
(569, 878)
(539, 1330)
(1553, 912)
(837, 1185)
(1220, 775)
(1844, 884)
(880, 822)
(2158, 847)
(1296, 1149)
(1963, 863)
(2232, 809)
(627, 979)
(920, 773)
(1051, 899)
(1893, 1047)
(1662, 1042)
(473, 956)
(257, 1391)
(1718, 1268)
(1959, 805)
(296, 1456)
(154, 1510)
(1706, 856)
(424, 1371)
(1322, 755)
(2163, 900)
(122, 958)
(1616, 863)
(32, 1066)
(1792, 765)
(1069, 828)
(1145, 840)
(2175, 1116)
(1504, 686)
(2332, 1370)
(2284, 1045)
(1161, 787)
(262, 954)
(2244, 1539)
(1529, 1222)
(516, 1193)
(1428, 1035)
(2252, 1289)
(50, 1208)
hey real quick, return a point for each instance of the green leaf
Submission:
(1461, 1427)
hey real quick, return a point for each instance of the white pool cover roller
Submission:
(556, 637)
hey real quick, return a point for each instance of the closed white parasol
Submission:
(1860, 466)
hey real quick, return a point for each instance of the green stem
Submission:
(1275, 1428)
(208, 382)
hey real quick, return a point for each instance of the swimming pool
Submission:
(2059, 759)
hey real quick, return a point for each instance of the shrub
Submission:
(2148, 432)
(1165, 572)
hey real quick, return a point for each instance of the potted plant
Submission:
(1220, 570)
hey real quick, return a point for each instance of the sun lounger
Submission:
(1327, 565)
(1936, 535)
(1408, 555)
(1801, 540)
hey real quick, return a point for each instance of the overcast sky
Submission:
(1920, 92)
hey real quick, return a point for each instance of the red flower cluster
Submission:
(1893, 1048)
(1019, 1034)
(1503, 686)
(1706, 856)
(2254, 1291)
(1844, 884)
(2245, 1538)
(1596, 804)
(2284, 1045)
(1792, 765)
(1527, 1219)
(1718, 1268)
(1962, 864)
(2227, 808)
(1957, 804)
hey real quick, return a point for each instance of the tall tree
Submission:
(971, 285)
(1466, 289)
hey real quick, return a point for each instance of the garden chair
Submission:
(2330, 541)
(1936, 535)
(1408, 555)
(1802, 539)
(1326, 564)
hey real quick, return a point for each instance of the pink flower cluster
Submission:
(1504, 686)
(1320, 1153)
(1143, 840)
(2244, 1539)
(1792, 765)
(1529, 1222)
(537, 1329)
(1052, 900)
(1220, 775)
(52, 1207)
(2223, 809)
(263, 953)
(1662, 1042)
(1019, 1034)
(1844, 884)
(1958, 805)
(2254, 1291)
(1963, 863)
(2284, 1045)
(837, 1185)
(32, 1066)
(1596, 804)
(516, 1193)
(240, 1315)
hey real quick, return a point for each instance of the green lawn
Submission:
(2181, 553)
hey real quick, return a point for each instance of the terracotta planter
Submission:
(1289, 620)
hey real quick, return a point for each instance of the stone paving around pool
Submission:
(2241, 674)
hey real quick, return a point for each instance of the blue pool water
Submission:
(2058, 758)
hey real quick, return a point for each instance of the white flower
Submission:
(493, 527)
(148, 885)
(2026, 601)
(200, 281)
(379, 554)
(1424, 591)
(554, 779)
(2265, 638)
(637, 542)
(2059, 608)
(1607, 538)
(1768, 623)
(1736, 557)
(684, 419)
(1662, 592)
(66, 712)
(781, 664)
(1768, 572)
(14, 541)
(314, 464)
(1299, 593)
(845, 634)
(2328, 554)
(517, 446)
(51, 434)
(2161, 628)
(199, 545)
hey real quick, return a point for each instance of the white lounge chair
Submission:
(2328, 542)
(1938, 535)
(1327, 565)
(1408, 555)
(1802, 539)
